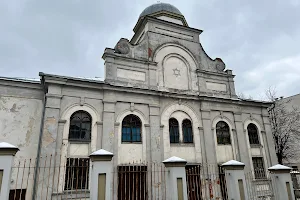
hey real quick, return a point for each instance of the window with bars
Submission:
(187, 131)
(131, 129)
(17, 194)
(223, 133)
(132, 182)
(80, 126)
(77, 174)
(174, 130)
(259, 169)
(252, 134)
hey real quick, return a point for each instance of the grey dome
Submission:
(160, 7)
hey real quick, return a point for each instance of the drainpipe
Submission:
(40, 139)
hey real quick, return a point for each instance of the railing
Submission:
(53, 181)
(141, 180)
(259, 185)
(296, 183)
(206, 181)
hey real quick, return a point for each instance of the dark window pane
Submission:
(80, 126)
(174, 130)
(223, 134)
(187, 131)
(131, 129)
(252, 134)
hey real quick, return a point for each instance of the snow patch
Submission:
(7, 145)
(102, 152)
(233, 162)
(279, 167)
(174, 159)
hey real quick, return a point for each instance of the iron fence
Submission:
(206, 182)
(53, 181)
(295, 174)
(259, 185)
(140, 180)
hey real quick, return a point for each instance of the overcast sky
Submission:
(259, 40)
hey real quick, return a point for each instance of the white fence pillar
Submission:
(176, 179)
(282, 182)
(7, 153)
(101, 175)
(235, 180)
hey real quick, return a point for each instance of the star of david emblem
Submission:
(176, 72)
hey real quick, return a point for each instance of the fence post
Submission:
(176, 178)
(235, 180)
(101, 175)
(282, 182)
(7, 153)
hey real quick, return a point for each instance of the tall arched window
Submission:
(80, 126)
(187, 131)
(223, 134)
(174, 130)
(131, 129)
(252, 134)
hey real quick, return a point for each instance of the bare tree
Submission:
(285, 123)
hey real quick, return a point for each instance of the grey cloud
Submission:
(258, 40)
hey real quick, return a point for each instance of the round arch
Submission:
(94, 115)
(220, 148)
(170, 53)
(134, 151)
(261, 141)
(194, 154)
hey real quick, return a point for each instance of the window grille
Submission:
(80, 126)
(174, 130)
(223, 134)
(17, 194)
(132, 182)
(131, 129)
(259, 169)
(252, 134)
(77, 173)
(187, 131)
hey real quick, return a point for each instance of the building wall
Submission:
(21, 105)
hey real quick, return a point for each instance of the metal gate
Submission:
(205, 182)
(141, 181)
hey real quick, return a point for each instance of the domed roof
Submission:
(160, 7)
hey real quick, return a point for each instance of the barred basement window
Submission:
(187, 131)
(80, 126)
(174, 130)
(223, 134)
(259, 169)
(252, 134)
(132, 182)
(17, 194)
(131, 129)
(77, 174)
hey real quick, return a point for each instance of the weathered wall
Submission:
(21, 107)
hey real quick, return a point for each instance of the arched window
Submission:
(80, 126)
(174, 130)
(252, 134)
(187, 131)
(223, 134)
(131, 129)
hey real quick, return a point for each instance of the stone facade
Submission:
(161, 73)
